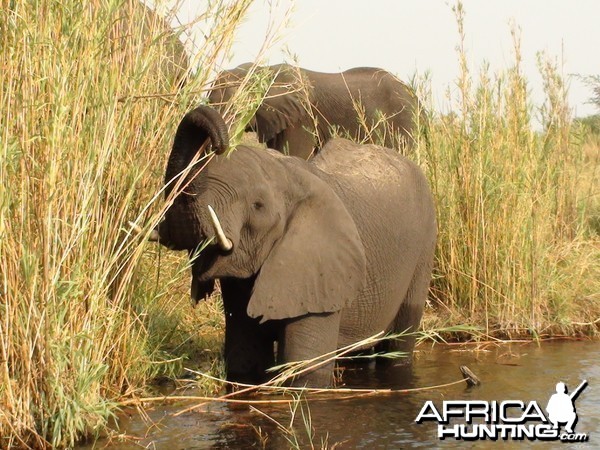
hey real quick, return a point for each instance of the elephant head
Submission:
(269, 217)
(286, 104)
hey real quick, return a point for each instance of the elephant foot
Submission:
(242, 379)
(319, 378)
(385, 363)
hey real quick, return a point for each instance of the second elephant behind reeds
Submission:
(302, 108)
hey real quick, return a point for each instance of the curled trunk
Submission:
(195, 128)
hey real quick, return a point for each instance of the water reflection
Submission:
(509, 372)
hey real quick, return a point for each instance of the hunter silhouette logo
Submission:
(509, 419)
(561, 408)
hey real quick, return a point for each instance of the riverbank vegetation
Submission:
(516, 186)
(90, 313)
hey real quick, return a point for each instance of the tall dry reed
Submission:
(90, 94)
(515, 254)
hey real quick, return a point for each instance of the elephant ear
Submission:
(317, 266)
(278, 113)
(285, 105)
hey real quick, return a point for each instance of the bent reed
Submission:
(90, 313)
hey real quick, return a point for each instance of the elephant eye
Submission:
(258, 205)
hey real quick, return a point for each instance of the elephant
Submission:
(138, 25)
(311, 255)
(302, 107)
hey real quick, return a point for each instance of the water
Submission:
(515, 371)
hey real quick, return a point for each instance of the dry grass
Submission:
(90, 102)
(516, 252)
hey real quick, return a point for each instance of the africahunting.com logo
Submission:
(510, 419)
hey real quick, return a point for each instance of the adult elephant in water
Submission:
(313, 255)
(302, 107)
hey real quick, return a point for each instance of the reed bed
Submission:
(91, 94)
(515, 191)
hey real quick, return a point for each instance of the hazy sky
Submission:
(415, 36)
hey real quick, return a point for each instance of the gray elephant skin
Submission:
(313, 255)
(302, 107)
(133, 15)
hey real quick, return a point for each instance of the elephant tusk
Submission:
(222, 239)
(153, 237)
(135, 227)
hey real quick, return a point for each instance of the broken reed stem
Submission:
(300, 367)
(314, 391)
(274, 384)
(499, 342)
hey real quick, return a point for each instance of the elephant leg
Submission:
(308, 337)
(409, 315)
(248, 344)
(295, 141)
(301, 142)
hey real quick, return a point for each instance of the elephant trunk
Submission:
(181, 228)
(194, 129)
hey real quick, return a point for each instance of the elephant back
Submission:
(174, 62)
(369, 105)
(389, 199)
(377, 181)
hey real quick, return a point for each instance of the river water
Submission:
(518, 371)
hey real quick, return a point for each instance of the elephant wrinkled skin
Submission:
(302, 106)
(324, 253)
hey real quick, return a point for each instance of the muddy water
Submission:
(523, 372)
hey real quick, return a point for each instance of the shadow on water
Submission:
(523, 372)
